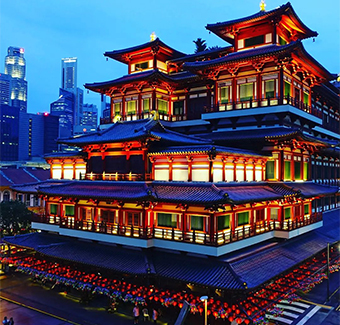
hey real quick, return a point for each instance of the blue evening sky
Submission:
(50, 30)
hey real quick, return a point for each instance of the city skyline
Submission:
(88, 31)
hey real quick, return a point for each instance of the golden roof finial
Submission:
(153, 36)
(262, 5)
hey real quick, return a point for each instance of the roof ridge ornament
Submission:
(262, 5)
(153, 37)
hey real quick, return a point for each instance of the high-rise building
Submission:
(37, 135)
(90, 115)
(69, 73)
(9, 135)
(63, 107)
(15, 66)
(69, 83)
(5, 89)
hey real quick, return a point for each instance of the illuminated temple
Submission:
(210, 154)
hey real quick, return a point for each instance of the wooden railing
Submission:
(173, 234)
(274, 101)
(115, 177)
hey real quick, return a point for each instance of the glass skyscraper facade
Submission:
(15, 67)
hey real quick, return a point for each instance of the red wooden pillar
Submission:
(139, 106)
(184, 222)
(120, 216)
(46, 208)
(189, 159)
(259, 88)
(251, 218)
(223, 169)
(144, 220)
(62, 170)
(216, 94)
(212, 227)
(170, 160)
(211, 170)
(234, 92)
(245, 169)
(123, 107)
(111, 109)
(292, 174)
(234, 171)
(233, 222)
(281, 86)
(281, 165)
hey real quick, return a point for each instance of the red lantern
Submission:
(231, 319)
(238, 320)
(246, 321)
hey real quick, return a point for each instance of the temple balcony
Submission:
(274, 101)
(115, 177)
(215, 244)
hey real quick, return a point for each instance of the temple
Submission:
(206, 153)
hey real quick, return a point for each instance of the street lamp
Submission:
(205, 299)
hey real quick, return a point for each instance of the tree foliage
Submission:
(201, 45)
(15, 218)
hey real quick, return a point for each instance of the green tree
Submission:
(201, 45)
(15, 218)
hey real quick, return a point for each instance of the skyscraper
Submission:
(69, 73)
(15, 67)
(69, 83)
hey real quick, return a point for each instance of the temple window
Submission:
(305, 168)
(53, 209)
(178, 107)
(19, 197)
(306, 209)
(28, 199)
(180, 173)
(197, 223)
(287, 167)
(282, 41)
(249, 173)
(6, 196)
(246, 91)
(297, 211)
(217, 172)
(223, 222)
(80, 170)
(287, 213)
(258, 173)
(146, 104)
(224, 95)
(240, 173)
(242, 218)
(167, 220)
(286, 89)
(270, 169)
(259, 215)
(69, 210)
(305, 98)
(162, 173)
(269, 88)
(297, 168)
(68, 172)
(229, 173)
(108, 216)
(200, 173)
(56, 171)
(141, 66)
(274, 213)
(162, 106)
(131, 107)
(253, 41)
(133, 218)
(36, 200)
(117, 108)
